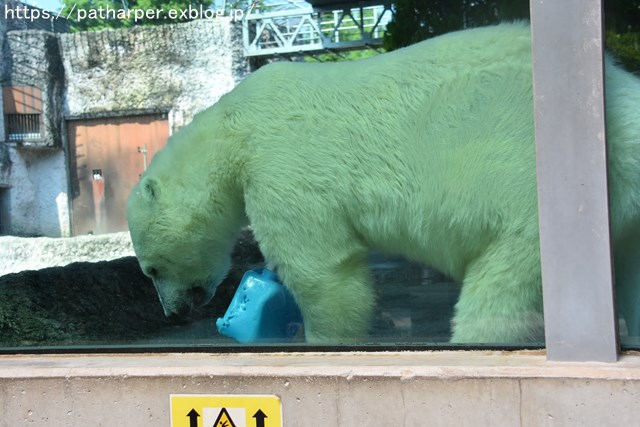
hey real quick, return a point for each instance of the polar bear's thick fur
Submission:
(426, 152)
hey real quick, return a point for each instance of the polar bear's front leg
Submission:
(319, 257)
(336, 300)
(501, 298)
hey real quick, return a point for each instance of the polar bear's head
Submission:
(175, 240)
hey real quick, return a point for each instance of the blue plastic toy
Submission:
(262, 310)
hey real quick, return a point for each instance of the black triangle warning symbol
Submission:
(224, 419)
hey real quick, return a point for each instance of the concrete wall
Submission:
(178, 69)
(37, 194)
(332, 389)
(5, 159)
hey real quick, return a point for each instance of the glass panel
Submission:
(622, 25)
(393, 197)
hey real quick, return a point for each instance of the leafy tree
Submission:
(622, 25)
(417, 20)
(622, 16)
(626, 47)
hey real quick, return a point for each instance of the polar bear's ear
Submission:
(150, 189)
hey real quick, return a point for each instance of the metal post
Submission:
(567, 43)
(143, 150)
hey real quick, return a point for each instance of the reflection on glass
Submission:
(622, 31)
(424, 154)
(111, 303)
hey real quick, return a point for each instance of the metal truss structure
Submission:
(297, 28)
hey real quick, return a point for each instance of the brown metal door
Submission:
(107, 157)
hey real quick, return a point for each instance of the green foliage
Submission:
(622, 16)
(341, 56)
(417, 20)
(622, 23)
(626, 47)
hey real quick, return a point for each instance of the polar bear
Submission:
(426, 152)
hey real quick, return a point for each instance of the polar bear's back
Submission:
(423, 101)
(403, 140)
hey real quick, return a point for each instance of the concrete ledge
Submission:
(343, 389)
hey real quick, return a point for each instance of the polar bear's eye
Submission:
(152, 272)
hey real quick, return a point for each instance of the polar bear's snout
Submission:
(194, 297)
(178, 314)
(177, 302)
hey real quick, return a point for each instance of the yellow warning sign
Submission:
(199, 410)
(223, 420)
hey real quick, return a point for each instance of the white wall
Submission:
(37, 196)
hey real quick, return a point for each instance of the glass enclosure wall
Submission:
(622, 41)
(386, 201)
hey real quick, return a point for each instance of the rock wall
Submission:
(35, 253)
(179, 69)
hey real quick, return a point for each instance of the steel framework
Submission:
(295, 27)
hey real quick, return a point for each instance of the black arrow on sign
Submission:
(193, 418)
(259, 416)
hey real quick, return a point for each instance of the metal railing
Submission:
(21, 127)
(297, 28)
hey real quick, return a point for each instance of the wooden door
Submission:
(107, 157)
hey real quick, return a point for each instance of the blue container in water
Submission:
(262, 310)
